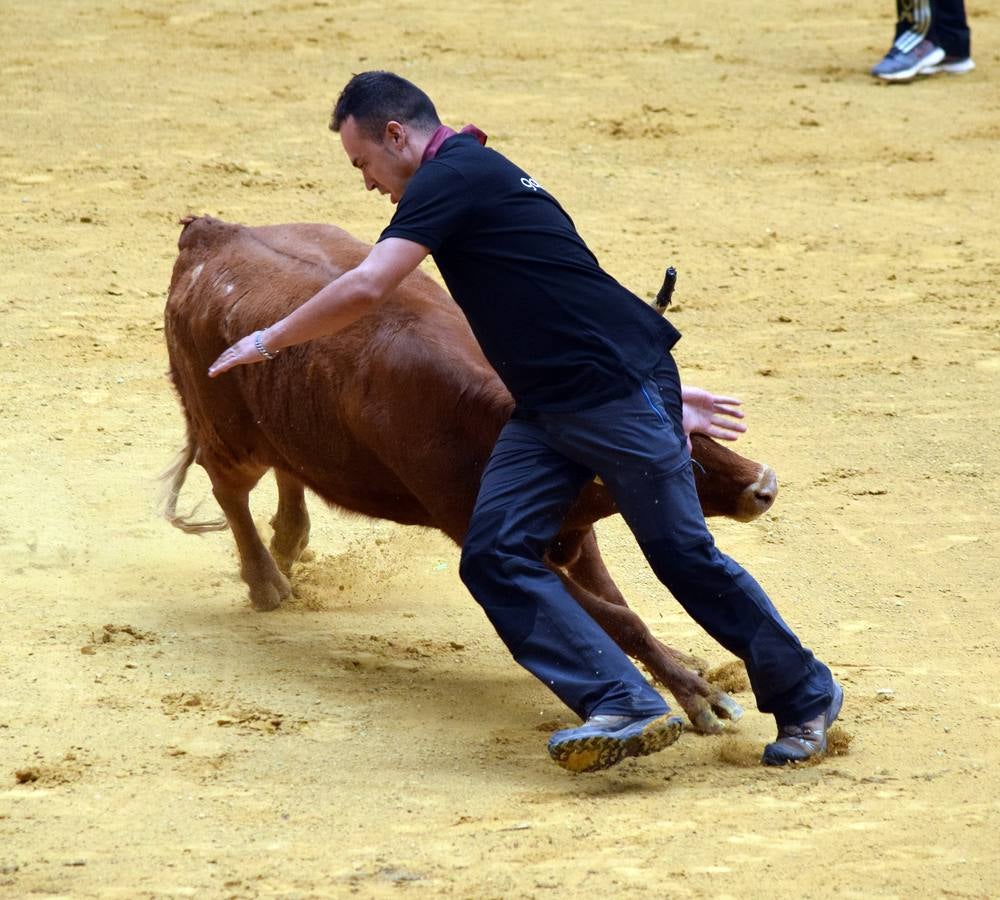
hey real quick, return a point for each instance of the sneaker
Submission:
(955, 65)
(603, 741)
(797, 743)
(900, 66)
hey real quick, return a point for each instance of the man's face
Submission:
(387, 166)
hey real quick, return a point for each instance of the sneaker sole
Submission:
(929, 61)
(959, 68)
(591, 754)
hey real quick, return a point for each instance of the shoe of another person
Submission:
(900, 66)
(603, 741)
(798, 743)
(954, 65)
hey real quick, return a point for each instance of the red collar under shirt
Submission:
(442, 134)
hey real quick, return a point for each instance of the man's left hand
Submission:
(707, 413)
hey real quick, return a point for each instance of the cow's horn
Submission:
(667, 291)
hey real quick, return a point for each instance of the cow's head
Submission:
(729, 484)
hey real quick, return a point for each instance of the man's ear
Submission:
(395, 134)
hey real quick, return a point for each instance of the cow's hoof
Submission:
(283, 562)
(269, 596)
(265, 600)
(284, 558)
(705, 713)
(727, 707)
(704, 721)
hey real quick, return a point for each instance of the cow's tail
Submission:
(173, 480)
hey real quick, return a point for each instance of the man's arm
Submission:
(340, 303)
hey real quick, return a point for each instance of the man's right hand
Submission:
(242, 353)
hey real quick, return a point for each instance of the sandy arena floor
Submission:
(838, 243)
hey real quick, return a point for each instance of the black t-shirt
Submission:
(561, 333)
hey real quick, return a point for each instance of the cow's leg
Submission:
(587, 579)
(578, 553)
(232, 486)
(290, 522)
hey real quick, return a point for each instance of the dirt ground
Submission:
(838, 243)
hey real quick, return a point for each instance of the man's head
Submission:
(384, 122)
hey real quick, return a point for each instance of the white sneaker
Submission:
(955, 65)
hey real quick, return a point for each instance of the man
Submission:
(596, 391)
(931, 36)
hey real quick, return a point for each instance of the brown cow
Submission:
(394, 417)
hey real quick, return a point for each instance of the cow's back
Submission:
(392, 417)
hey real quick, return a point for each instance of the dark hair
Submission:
(375, 98)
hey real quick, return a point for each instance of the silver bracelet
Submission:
(258, 342)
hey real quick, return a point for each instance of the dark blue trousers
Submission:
(943, 22)
(638, 447)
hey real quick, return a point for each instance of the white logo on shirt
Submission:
(531, 183)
